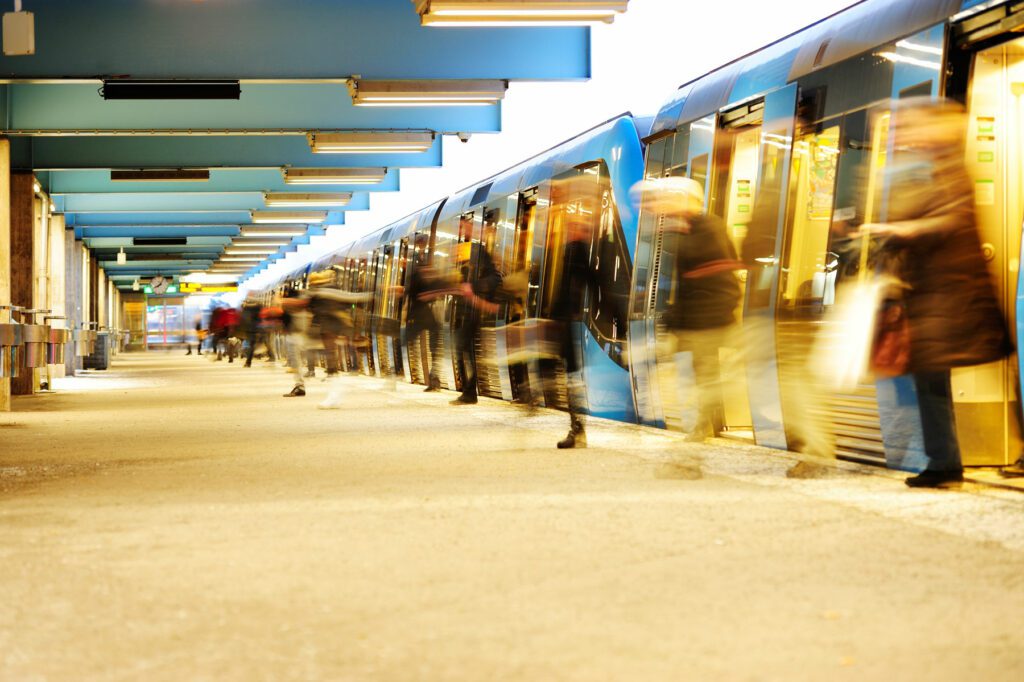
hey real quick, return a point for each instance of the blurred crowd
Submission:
(920, 302)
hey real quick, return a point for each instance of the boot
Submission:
(577, 437)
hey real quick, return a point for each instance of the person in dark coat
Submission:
(953, 315)
(575, 278)
(421, 319)
(702, 309)
(480, 282)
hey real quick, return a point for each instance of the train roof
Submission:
(551, 162)
(845, 34)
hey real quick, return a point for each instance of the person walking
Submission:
(480, 282)
(701, 313)
(420, 319)
(952, 314)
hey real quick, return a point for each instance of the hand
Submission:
(875, 229)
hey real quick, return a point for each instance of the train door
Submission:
(987, 72)
(733, 190)
(522, 373)
(492, 371)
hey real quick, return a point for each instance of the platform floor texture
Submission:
(177, 519)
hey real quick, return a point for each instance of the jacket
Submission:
(952, 311)
(707, 291)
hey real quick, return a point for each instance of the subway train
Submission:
(790, 143)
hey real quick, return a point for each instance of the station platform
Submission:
(177, 518)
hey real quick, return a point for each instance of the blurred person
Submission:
(331, 311)
(702, 312)
(223, 322)
(293, 325)
(480, 281)
(952, 313)
(420, 294)
(575, 279)
(253, 324)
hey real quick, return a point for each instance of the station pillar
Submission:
(5, 249)
(22, 222)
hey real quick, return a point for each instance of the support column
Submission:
(75, 297)
(5, 249)
(58, 283)
(23, 235)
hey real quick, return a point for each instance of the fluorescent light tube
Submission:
(301, 200)
(275, 231)
(334, 176)
(304, 217)
(403, 93)
(370, 143)
(518, 12)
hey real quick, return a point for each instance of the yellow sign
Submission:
(197, 288)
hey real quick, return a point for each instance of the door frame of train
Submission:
(763, 385)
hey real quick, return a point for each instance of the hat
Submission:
(319, 279)
(673, 188)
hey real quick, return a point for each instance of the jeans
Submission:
(938, 422)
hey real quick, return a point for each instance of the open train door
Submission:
(985, 70)
(762, 252)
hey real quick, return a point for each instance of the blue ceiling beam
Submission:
(169, 218)
(270, 107)
(177, 201)
(209, 243)
(182, 230)
(207, 151)
(270, 39)
(221, 180)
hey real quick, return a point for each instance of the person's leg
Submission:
(293, 348)
(467, 358)
(707, 373)
(577, 394)
(251, 350)
(434, 346)
(938, 426)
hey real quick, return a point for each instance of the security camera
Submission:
(463, 137)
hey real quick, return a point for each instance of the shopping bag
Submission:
(890, 354)
(842, 348)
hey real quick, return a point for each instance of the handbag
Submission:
(890, 352)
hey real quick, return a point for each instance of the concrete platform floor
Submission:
(177, 519)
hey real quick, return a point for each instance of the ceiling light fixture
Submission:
(232, 251)
(240, 259)
(301, 200)
(333, 176)
(425, 93)
(518, 12)
(370, 143)
(160, 175)
(128, 88)
(122, 257)
(272, 231)
(271, 217)
(246, 243)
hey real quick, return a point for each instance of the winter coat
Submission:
(707, 291)
(953, 314)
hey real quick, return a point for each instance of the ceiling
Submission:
(292, 60)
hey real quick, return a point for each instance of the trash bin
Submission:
(100, 356)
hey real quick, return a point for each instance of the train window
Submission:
(851, 84)
(808, 268)
(699, 150)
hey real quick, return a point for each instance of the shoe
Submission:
(332, 402)
(573, 440)
(309, 374)
(248, 364)
(432, 388)
(936, 479)
(1013, 471)
(188, 353)
(296, 392)
(463, 400)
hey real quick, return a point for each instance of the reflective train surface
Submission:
(790, 144)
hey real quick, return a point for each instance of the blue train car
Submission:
(791, 144)
(517, 215)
